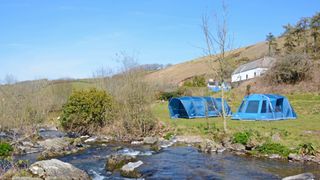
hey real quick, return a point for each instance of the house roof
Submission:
(265, 62)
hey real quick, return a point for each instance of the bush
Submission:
(196, 81)
(5, 149)
(290, 69)
(168, 95)
(168, 136)
(241, 137)
(274, 148)
(307, 149)
(87, 110)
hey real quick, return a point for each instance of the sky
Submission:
(73, 38)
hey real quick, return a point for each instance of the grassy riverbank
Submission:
(305, 129)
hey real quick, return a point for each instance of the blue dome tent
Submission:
(265, 107)
(196, 107)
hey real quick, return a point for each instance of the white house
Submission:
(252, 69)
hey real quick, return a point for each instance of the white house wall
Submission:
(248, 74)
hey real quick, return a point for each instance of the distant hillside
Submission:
(178, 73)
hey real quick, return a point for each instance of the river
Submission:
(185, 162)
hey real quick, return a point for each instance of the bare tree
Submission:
(218, 42)
(10, 79)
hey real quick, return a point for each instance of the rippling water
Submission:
(183, 162)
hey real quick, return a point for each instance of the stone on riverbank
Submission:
(303, 176)
(189, 139)
(150, 140)
(238, 147)
(116, 161)
(55, 169)
(209, 146)
(130, 170)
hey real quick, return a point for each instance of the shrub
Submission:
(274, 148)
(196, 81)
(307, 149)
(87, 110)
(168, 136)
(290, 69)
(241, 137)
(168, 95)
(5, 149)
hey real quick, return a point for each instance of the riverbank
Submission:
(300, 134)
(83, 151)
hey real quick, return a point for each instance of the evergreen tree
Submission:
(300, 32)
(315, 30)
(272, 45)
(289, 43)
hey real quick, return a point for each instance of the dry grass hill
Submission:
(178, 73)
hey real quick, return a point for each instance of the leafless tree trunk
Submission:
(218, 42)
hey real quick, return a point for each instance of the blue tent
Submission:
(265, 107)
(196, 107)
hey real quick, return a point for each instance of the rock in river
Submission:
(130, 170)
(55, 169)
(303, 176)
(116, 161)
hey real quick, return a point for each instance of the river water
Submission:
(185, 162)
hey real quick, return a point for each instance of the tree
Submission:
(10, 79)
(289, 42)
(315, 30)
(301, 33)
(218, 42)
(272, 45)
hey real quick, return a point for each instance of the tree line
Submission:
(302, 37)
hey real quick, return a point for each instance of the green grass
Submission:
(305, 129)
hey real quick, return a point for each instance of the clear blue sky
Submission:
(72, 38)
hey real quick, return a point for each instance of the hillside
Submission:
(178, 73)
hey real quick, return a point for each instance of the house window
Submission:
(246, 76)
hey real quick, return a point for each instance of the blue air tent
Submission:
(265, 107)
(196, 107)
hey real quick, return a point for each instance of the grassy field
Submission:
(305, 129)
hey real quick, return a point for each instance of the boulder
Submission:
(137, 142)
(295, 157)
(189, 139)
(98, 139)
(91, 139)
(209, 146)
(57, 144)
(303, 176)
(129, 170)
(150, 140)
(275, 156)
(238, 147)
(116, 161)
(55, 169)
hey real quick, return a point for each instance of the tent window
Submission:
(246, 76)
(279, 105)
(241, 109)
(252, 107)
(210, 105)
(264, 106)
